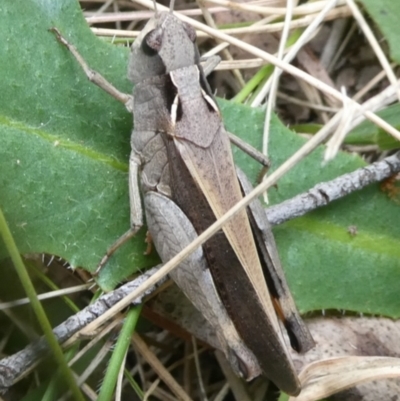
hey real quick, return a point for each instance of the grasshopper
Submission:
(181, 155)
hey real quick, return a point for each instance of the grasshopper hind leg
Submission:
(136, 211)
(171, 231)
(116, 245)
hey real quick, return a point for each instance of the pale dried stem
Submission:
(116, 10)
(89, 392)
(305, 103)
(93, 365)
(343, 45)
(95, 362)
(242, 64)
(330, 49)
(223, 392)
(313, 96)
(340, 12)
(215, 50)
(120, 379)
(159, 368)
(275, 82)
(94, 18)
(106, 330)
(203, 393)
(296, 48)
(104, 7)
(373, 43)
(276, 75)
(47, 295)
(235, 383)
(151, 389)
(226, 53)
(305, 9)
(374, 81)
(382, 99)
(336, 140)
(161, 394)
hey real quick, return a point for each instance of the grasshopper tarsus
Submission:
(60, 37)
(117, 244)
(261, 174)
(149, 242)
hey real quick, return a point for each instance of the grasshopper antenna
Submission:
(171, 6)
(155, 8)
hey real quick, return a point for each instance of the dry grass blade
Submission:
(236, 385)
(106, 330)
(304, 38)
(95, 362)
(226, 53)
(304, 9)
(324, 378)
(47, 295)
(337, 138)
(275, 83)
(159, 368)
(382, 99)
(240, 64)
(95, 18)
(276, 75)
(151, 389)
(202, 390)
(339, 12)
(305, 103)
(120, 379)
(373, 42)
(373, 82)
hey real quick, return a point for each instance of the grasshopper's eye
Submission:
(151, 43)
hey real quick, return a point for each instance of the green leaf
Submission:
(386, 14)
(64, 147)
(368, 133)
(365, 133)
(64, 142)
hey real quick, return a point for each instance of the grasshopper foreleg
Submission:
(93, 75)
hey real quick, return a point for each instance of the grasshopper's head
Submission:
(144, 64)
(173, 41)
